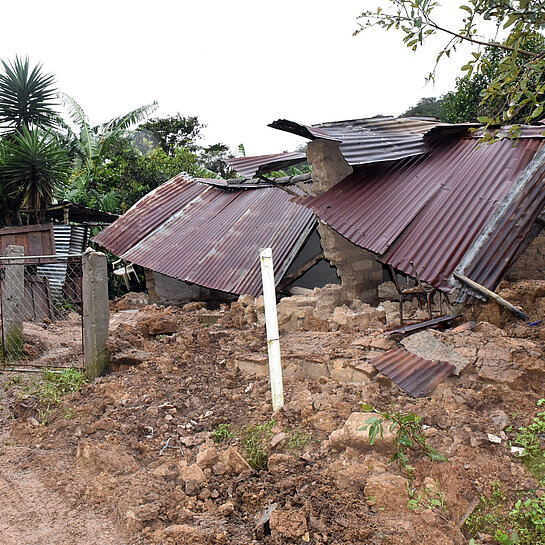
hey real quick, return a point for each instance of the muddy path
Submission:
(33, 512)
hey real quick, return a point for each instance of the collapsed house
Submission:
(387, 198)
(425, 199)
(200, 239)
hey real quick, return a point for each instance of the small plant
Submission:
(255, 441)
(13, 381)
(408, 434)
(222, 432)
(51, 386)
(429, 498)
(530, 437)
(298, 439)
(522, 524)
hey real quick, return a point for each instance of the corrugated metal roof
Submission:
(426, 209)
(369, 140)
(417, 376)
(491, 254)
(261, 164)
(197, 233)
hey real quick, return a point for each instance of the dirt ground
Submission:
(132, 457)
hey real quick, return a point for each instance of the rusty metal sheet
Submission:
(261, 164)
(370, 140)
(512, 225)
(410, 328)
(211, 237)
(427, 209)
(416, 375)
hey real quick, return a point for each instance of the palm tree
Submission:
(33, 167)
(27, 96)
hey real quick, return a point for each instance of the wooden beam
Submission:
(491, 295)
(290, 279)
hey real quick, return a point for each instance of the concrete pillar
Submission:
(13, 302)
(359, 271)
(329, 166)
(96, 315)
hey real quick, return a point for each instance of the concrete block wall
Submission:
(360, 272)
(531, 263)
(358, 269)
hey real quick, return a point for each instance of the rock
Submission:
(236, 463)
(146, 512)
(351, 435)
(277, 439)
(288, 524)
(300, 398)
(429, 517)
(388, 491)
(195, 305)
(280, 462)
(227, 508)
(427, 346)
(105, 458)
(499, 418)
(192, 473)
(382, 343)
(207, 456)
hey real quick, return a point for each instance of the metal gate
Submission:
(41, 312)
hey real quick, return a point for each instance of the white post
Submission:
(271, 320)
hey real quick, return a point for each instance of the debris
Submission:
(426, 345)
(493, 438)
(493, 296)
(168, 445)
(423, 325)
(518, 451)
(414, 374)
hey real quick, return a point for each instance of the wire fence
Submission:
(41, 312)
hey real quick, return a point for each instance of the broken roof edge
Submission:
(499, 217)
(261, 164)
(254, 183)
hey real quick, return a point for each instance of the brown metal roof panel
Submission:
(414, 374)
(217, 244)
(149, 213)
(439, 237)
(496, 255)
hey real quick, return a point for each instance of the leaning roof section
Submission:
(199, 233)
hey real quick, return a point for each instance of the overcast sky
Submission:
(237, 64)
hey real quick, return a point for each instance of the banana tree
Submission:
(90, 143)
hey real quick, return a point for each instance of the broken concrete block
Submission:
(427, 346)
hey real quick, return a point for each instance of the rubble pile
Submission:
(164, 442)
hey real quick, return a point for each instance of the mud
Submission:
(133, 452)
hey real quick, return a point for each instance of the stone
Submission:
(351, 435)
(288, 524)
(499, 418)
(427, 346)
(382, 343)
(207, 456)
(146, 512)
(236, 463)
(192, 473)
(227, 508)
(277, 439)
(388, 491)
(280, 462)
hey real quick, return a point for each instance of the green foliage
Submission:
(298, 439)
(170, 133)
(408, 436)
(530, 437)
(27, 96)
(255, 440)
(523, 523)
(34, 166)
(516, 88)
(429, 498)
(222, 432)
(427, 107)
